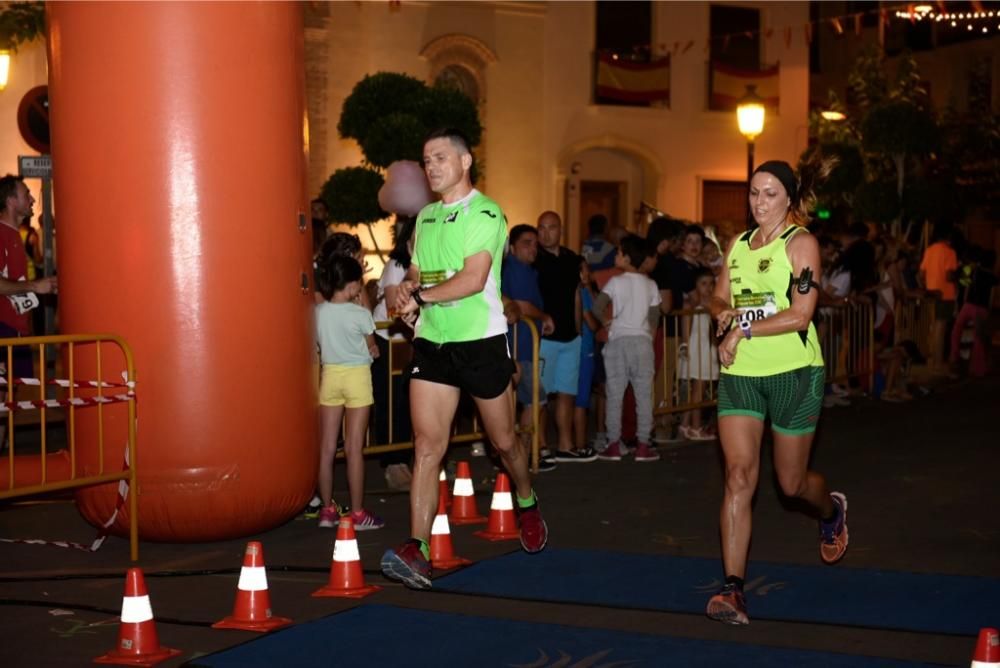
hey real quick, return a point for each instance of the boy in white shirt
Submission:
(628, 355)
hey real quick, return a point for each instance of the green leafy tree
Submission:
(389, 114)
(21, 22)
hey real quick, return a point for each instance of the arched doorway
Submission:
(607, 175)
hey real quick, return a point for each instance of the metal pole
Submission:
(749, 177)
(48, 264)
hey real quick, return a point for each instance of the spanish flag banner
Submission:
(729, 84)
(633, 82)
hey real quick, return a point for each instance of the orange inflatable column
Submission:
(178, 134)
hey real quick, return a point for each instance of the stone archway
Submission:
(568, 177)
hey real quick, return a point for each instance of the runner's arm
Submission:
(42, 286)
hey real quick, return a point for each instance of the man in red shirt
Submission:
(17, 294)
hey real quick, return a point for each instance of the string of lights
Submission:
(972, 20)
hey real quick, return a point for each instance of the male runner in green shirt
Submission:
(461, 344)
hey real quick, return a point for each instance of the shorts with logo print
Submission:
(481, 367)
(792, 399)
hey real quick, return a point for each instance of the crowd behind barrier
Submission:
(688, 369)
(87, 383)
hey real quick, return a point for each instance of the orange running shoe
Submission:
(833, 535)
(728, 606)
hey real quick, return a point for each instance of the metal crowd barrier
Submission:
(914, 320)
(463, 430)
(55, 468)
(688, 365)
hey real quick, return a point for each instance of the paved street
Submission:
(922, 480)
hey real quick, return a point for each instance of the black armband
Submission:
(804, 283)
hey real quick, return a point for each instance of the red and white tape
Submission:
(102, 533)
(29, 405)
(63, 382)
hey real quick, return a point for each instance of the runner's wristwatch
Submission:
(744, 325)
(417, 298)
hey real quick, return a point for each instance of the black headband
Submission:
(783, 172)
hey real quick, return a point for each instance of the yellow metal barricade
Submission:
(847, 339)
(55, 468)
(399, 352)
(688, 370)
(914, 320)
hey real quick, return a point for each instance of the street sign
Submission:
(33, 118)
(34, 166)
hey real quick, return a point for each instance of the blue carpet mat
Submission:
(944, 604)
(378, 635)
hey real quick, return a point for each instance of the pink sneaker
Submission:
(646, 453)
(329, 516)
(365, 520)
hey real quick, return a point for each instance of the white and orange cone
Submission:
(442, 551)
(138, 644)
(463, 503)
(252, 610)
(502, 521)
(443, 488)
(987, 653)
(347, 580)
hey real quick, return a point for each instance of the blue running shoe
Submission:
(406, 564)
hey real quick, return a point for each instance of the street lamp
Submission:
(750, 117)
(4, 67)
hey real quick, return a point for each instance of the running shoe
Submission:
(580, 456)
(311, 511)
(833, 535)
(646, 453)
(546, 463)
(728, 606)
(329, 517)
(366, 520)
(406, 564)
(534, 531)
(612, 453)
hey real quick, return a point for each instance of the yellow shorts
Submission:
(349, 386)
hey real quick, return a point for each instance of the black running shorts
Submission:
(483, 367)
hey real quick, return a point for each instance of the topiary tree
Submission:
(21, 22)
(389, 114)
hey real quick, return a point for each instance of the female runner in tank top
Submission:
(772, 368)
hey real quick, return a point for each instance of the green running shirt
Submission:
(761, 283)
(445, 235)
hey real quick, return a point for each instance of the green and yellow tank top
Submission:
(761, 282)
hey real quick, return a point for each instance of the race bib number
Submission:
(432, 278)
(24, 302)
(755, 305)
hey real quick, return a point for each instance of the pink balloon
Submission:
(405, 191)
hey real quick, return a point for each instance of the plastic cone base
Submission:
(116, 657)
(354, 592)
(445, 564)
(261, 626)
(462, 521)
(498, 536)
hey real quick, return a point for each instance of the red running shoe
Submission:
(728, 606)
(833, 536)
(534, 531)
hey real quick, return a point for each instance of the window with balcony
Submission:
(734, 67)
(626, 71)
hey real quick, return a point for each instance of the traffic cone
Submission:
(987, 654)
(443, 488)
(442, 552)
(502, 522)
(138, 644)
(252, 611)
(346, 577)
(463, 503)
